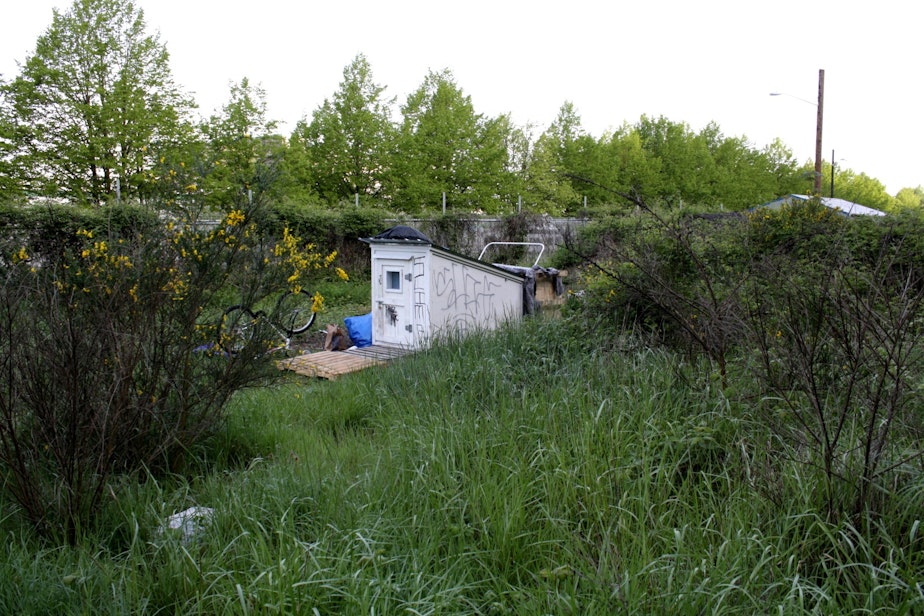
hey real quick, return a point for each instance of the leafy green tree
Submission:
(627, 167)
(445, 147)
(687, 166)
(8, 187)
(348, 141)
(92, 103)
(548, 189)
(860, 188)
(571, 145)
(584, 157)
(559, 160)
(243, 151)
(743, 176)
(660, 160)
(783, 167)
(909, 199)
(518, 143)
(567, 126)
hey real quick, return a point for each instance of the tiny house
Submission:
(421, 291)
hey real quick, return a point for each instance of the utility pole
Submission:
(820, 106)
(821, 103)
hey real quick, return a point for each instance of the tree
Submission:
(687, 166)
(8, 187)
(782, 166)
(349, 138)
(860, 188)
(243, 152)
(584, 157)
(745, 177)
(445, 147)
(555, 161)
(547, 188)
(519, 143)
(909, 198)
(92, 103)
(663, 160)
(632, 169)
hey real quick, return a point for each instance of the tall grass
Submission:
(525, 472)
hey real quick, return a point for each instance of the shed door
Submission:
(394, 318)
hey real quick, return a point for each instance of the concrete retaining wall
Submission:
(469, 236)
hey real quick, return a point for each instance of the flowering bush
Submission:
(105, 348)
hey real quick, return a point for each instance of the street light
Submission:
(820, 105)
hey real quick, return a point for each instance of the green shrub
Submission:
(108, 351)
(49, 228)
(335, 230)
(825, 311)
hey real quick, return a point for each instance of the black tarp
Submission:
(402, 232)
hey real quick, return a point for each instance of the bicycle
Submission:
(294, 314)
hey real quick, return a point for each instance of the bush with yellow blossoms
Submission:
(108, 355)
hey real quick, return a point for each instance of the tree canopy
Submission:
(95, 113)
(243, 151)
(92, 103)
(347, 142)
(446, 147)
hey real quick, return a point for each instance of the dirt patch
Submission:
(309, 342)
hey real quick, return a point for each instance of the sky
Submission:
(692, 62)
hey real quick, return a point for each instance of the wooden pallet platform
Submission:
(332, 364)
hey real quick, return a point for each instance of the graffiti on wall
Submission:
(465, 296)
(420, 297)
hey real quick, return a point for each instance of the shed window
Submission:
(393, 281)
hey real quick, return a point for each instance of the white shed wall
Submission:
(420, 292)
(465, 295)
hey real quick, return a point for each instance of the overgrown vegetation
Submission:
(727, 419)
(585, 479)
(828, 308)
(108, 348)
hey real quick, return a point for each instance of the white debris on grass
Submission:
(189, 522)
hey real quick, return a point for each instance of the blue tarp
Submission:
(360, 329)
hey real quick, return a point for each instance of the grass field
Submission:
(529, 472)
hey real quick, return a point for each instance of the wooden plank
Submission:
(332, 364)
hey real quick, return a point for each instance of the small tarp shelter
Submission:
(847, 208)
(421, 291)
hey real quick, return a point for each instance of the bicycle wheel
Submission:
(236, 329)
(295, 312)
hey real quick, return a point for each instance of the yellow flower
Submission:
(234, 218)
(342, 274)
